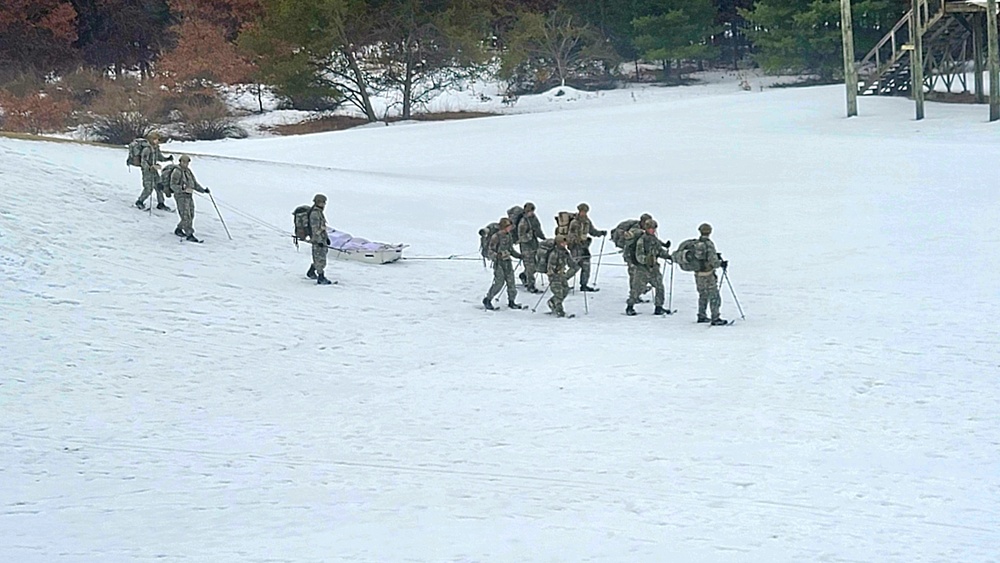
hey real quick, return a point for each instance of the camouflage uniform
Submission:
(648, 249)
(501, 248)
(529, 231)
(580, 231)
(707, 282)
(150, 176)
(183, 184)
(320, 239)
(628, 254)
(560, 268)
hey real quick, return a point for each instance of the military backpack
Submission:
(165, 175)
(135, 149)
(545, 248)
(303, 226)
(562, 222)
(618, 234)
(692, 255)
(485, 234)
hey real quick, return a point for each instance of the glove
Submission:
(208, 191)
(604, 233)
(666, 244)
(170, 158)
(725, 264)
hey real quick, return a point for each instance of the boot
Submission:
(524, 278)
(659, 311)
(179, 232)
(512, 305)
(630, 311)
(311, 274)
(719, 322)
(703, 319)
(140, 204)
(584, 287)
(321, 280)
(488, 303)
(533, 289)
(191, 238)
(163, 207)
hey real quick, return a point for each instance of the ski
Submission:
(191, 240)
(727, 323)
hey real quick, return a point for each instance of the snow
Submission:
(163, 400)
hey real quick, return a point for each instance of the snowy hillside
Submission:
(172, 401)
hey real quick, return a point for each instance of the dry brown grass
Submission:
(342, 122)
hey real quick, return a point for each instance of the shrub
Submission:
(34, 113)
(208, 119)
(120, 128)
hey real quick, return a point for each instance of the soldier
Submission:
(183, 185)
(633, 230)
(580, 231)
(648, 249)
(148, 160)
(320, 239)
(501, 248)
(529, 231)
(560, 268)
(706, 280)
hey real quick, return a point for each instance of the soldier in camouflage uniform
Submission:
(148, 160)
(648, 250)
(628, 254)
(580, 231)
(500, 249)
(706, 280)
(320, 239)
(529, 232)
(183, 185)
(560, 268)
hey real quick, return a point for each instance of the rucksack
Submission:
(135, 149)
(303, 227)
(485, 234)
(691, 255)
(562, 222)
(515, 214)
(618, 233)
(542, 254)
(165, 179)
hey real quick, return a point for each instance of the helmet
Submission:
(319, 198)
(504, 222)
(529, 207)
(185, 158)
(650, 224)
(153, 136)
(644, 217)
(705, 229)
(583, 207)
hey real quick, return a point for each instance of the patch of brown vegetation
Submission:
(342, 122)
(951, 98)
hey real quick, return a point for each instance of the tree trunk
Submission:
(408, 83)
(359, 79)
(260, 97)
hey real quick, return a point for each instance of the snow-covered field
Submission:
(169, 401)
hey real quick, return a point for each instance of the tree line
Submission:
(322, 53)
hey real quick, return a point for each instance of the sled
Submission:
(345, 247)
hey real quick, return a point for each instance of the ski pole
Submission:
(210, 196)
(670, 295)
(597, 270)
(539, 302)
(586, 307)
(725, 276)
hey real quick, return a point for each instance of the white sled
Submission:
(345, 247)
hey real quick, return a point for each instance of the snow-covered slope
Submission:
(162, 400)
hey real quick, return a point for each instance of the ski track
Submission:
(163, 400)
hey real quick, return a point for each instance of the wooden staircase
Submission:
(946, 34)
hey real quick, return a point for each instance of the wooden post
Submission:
(977, 55)
(994, 58)
(917, 58)
(850, 72)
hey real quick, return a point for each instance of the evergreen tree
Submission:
(675, 30)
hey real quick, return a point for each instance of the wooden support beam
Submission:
(977, 55)
(850, 71)
(917, 58)
(993, 53)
